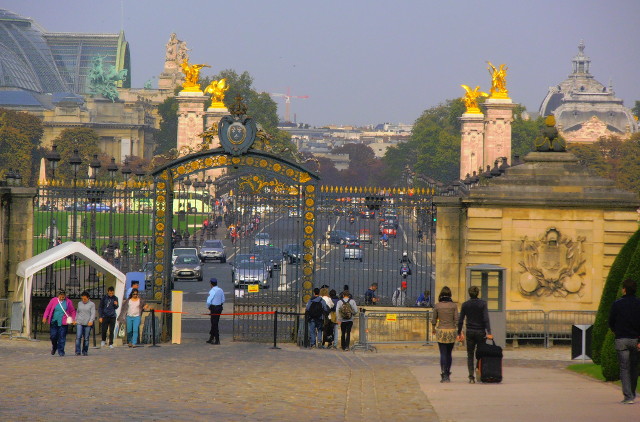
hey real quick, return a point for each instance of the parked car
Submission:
(213, 249)
(248, 272)
(292, 252)
(183, 251)
(187, 267)
(99, 207)
(340, 237)
(272, 255)
(367, 213)
(262, 239)
(353, 251)
(364, 236)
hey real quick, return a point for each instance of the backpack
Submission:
(346, 311)
(315, 310)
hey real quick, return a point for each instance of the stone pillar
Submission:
(449, 247)
(472, 143)
(17, 204)
(213, 115)
(190, 118)
(497, 130)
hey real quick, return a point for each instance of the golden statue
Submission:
(498, 81)
(217, 90)
(191, 75)
(471, 99)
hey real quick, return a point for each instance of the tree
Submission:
(168, 134)
(85, 140)
(15, 152)
(21, 155)
(636, 109)
(523, 132)
(364, 167)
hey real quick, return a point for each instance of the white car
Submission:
(262, 239)
(183, 251)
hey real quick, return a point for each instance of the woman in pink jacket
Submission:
(56, 314)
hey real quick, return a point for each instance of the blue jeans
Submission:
(82, 331)
(315, 332)
(133, 326)
(627, 349)
(58, 336)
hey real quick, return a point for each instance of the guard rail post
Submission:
(153, 329)
(275, 330)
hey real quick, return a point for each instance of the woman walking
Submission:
(84, 322)
(131, 314)
(346, 310)
(444, 320)
(59, 313)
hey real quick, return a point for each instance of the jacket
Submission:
(624, 318)
(86, 313)
(354, 308)
(325, 308)
(445, 315)
(48, 312)
(477, 314)
(122, 318)
(399, 297)
(108, 306)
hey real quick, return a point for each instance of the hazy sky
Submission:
(370, 61)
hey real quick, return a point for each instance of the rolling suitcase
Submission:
(489, 358)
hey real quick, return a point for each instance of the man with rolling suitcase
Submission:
(476, 312)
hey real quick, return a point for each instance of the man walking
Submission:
(624, 321)
(399, 296)
(214, 303)
(370, 297)
(316, 309)
(107, 313)
(476, 312)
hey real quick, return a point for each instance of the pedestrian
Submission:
(131, 314)
(107, 314)
(476, 312)
(214, 304)
(333, 317)
(315, 311)
(85, 316)
(327, 325)
(135, 284)
(399, 296)
(59, 313)
(346, 310)
(443, 321)
(116, 255)
(624, 321)
(145, 247)
(424, 299)
(370, 297)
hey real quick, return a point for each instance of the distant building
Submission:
(584, 108)
(47, 74)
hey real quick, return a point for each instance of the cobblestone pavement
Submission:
(250, 382)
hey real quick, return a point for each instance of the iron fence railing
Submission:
(545, 326)
(5, 314)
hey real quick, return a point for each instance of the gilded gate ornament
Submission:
(552, 265)
(191, 75)
(498, 81)
(470, 99)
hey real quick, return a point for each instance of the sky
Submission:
(365, 62)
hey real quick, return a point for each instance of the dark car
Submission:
(272, 255)
(213, 249)
(368, 214)
(292, 252)
(340, 237)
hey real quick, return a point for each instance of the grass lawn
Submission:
(590, 369)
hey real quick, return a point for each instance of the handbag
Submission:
(69, 319)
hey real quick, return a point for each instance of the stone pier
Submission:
(190, 117)
(497, 130)
(471, 144)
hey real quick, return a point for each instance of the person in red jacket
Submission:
(59, 314)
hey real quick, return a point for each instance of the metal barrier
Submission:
(376, 327)
(5, 316)
(526, 325)
(559, 324)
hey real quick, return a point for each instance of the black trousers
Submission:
(345, 337)
(108, 323)
(214, 333)
(474, 337)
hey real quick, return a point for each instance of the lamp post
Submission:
(139, 175)
(93, 200)
(187, 186)
(126, 173)
(208, 184)
(53, 157)
(75, 162)
(112, 168)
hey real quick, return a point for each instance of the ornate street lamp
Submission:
(93, 201)
(112, 168)
(139, 176)
(53, 158)
(187, 186)
(75, 162)
(199, 184)
(208, 183)
(126, 174)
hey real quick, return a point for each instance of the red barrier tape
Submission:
(239, 313)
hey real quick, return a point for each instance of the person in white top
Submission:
(346, 310)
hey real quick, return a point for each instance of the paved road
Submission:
(249, 381)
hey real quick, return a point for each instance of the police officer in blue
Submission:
(214, 303)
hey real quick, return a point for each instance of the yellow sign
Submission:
(253, 288)
(392, 317)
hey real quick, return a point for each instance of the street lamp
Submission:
(112, 168)
(208, 183)
(53, 157)
(126, 174)
(139, 175)
(75, 162)
(199, 184)
(187, 185)
(93, 200)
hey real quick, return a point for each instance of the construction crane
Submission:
(287, 100)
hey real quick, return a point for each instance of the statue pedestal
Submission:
(471, 143)
(190, 117)
(213, 115)
(497, 130)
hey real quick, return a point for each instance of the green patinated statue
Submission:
(103, 82)
(550, 139)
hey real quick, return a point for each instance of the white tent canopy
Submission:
(26, 270)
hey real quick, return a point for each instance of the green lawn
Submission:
(590, 369)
